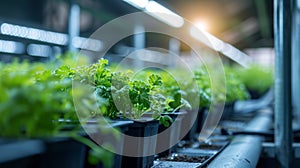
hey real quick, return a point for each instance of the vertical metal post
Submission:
(283, 110)
(296, 61)
(174, 49)
(139, 37)
(139, 42)
(74, 24)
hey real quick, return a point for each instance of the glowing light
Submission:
(220, 46)
(163, 14)
(11, 47)
(39, 50)
(49, 37)
(202, 25)
(89, 44)
(138, 3)
(34, 34)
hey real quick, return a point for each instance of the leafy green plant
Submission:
(203, 80)
(36, 102)
(117, 95)
(256, 78)
(171, 92)
(175, 91)
(235, 88)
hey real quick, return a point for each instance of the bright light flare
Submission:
(164, 14)
(202, 25)
(138, 3)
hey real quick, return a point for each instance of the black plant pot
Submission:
(43, 153)
(171, 136)
(187, 122)
(62, 153)
(202, 114)
(19, 153)
(254, 94)
(122, 126)
(228, 111)
(141, 146)
(55, 152)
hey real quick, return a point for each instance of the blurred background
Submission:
(41, 29)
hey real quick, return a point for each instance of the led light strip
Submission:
(11, 47)
(49, 37)
(158, 11)
(34, 34)
(39, 50)
(220, 46)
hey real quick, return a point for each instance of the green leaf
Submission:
(155, 80)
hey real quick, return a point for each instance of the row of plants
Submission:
(37, 99)
(257, 79)
(36, 103)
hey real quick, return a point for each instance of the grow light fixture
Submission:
(163, 14)
(34, 34)
(220, 46)
(11, 47)
(86, 43)
(39, 50)
(158, 11)
(49, 37)
(138, 3)
(206, 38)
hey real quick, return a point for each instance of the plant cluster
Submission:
(204, 83)
(36, 102)
(39, 100)
(235, 87)
(256, 78)
(121, 95)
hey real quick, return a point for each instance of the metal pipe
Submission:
(74, 24)
(283, 110)
(244, 150)
(296, 63)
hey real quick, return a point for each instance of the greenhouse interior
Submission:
(149, 83)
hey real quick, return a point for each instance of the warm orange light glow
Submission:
(202, 25)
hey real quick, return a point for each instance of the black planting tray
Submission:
(197, 155)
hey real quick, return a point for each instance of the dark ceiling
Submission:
(243, 23)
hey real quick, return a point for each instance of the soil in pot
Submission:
(186, 158)
(204, 146)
